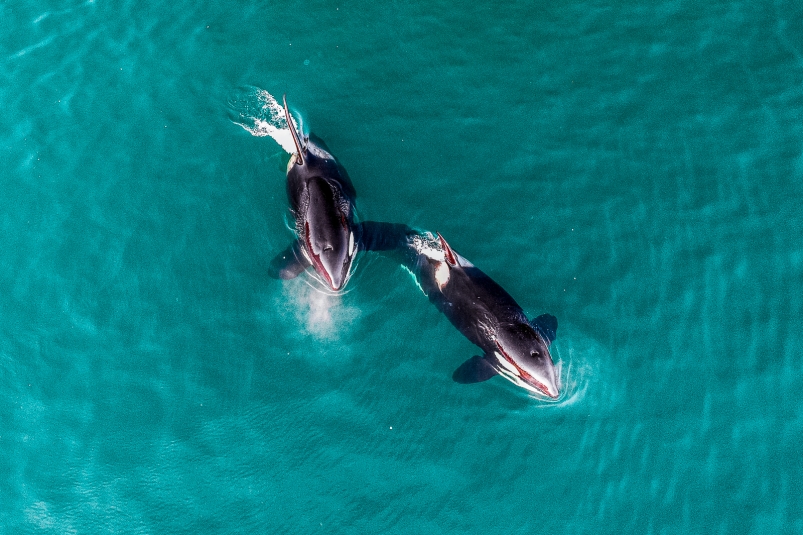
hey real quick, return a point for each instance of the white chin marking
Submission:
(506, 366)
(518, 381)
(531, 388)
(351, 244)
(509, 372)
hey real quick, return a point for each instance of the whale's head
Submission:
(328, 236)
(524, 358)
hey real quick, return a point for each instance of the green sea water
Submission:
(634, 168)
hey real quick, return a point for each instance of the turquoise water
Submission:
(635, 169)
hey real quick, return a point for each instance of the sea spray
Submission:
(322, 314)
(259, 113)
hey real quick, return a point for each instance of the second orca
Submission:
(513, 346)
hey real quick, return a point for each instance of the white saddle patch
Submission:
(442, 275)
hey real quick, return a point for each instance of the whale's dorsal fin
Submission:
(474, 370)
(451, 258)
(293, 132)
(547, 326)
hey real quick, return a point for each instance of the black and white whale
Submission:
(513, 346)
(321, 199)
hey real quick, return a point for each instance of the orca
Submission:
(513, 346)
(321, 199)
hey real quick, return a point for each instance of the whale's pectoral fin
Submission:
(289, 263)
(474, 370)
(378, 236)
(547, 325)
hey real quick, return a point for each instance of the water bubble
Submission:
(306, 62)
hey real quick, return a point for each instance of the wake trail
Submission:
(259, 113)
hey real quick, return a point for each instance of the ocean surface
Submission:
(634, 168)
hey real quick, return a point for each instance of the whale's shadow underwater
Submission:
(322, 201)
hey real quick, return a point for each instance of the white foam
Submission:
(259, 113)
(424, 244)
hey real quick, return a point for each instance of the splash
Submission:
(258, 112)
(425, 243)
(322, 313)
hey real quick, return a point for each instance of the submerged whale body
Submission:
(513, 346)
